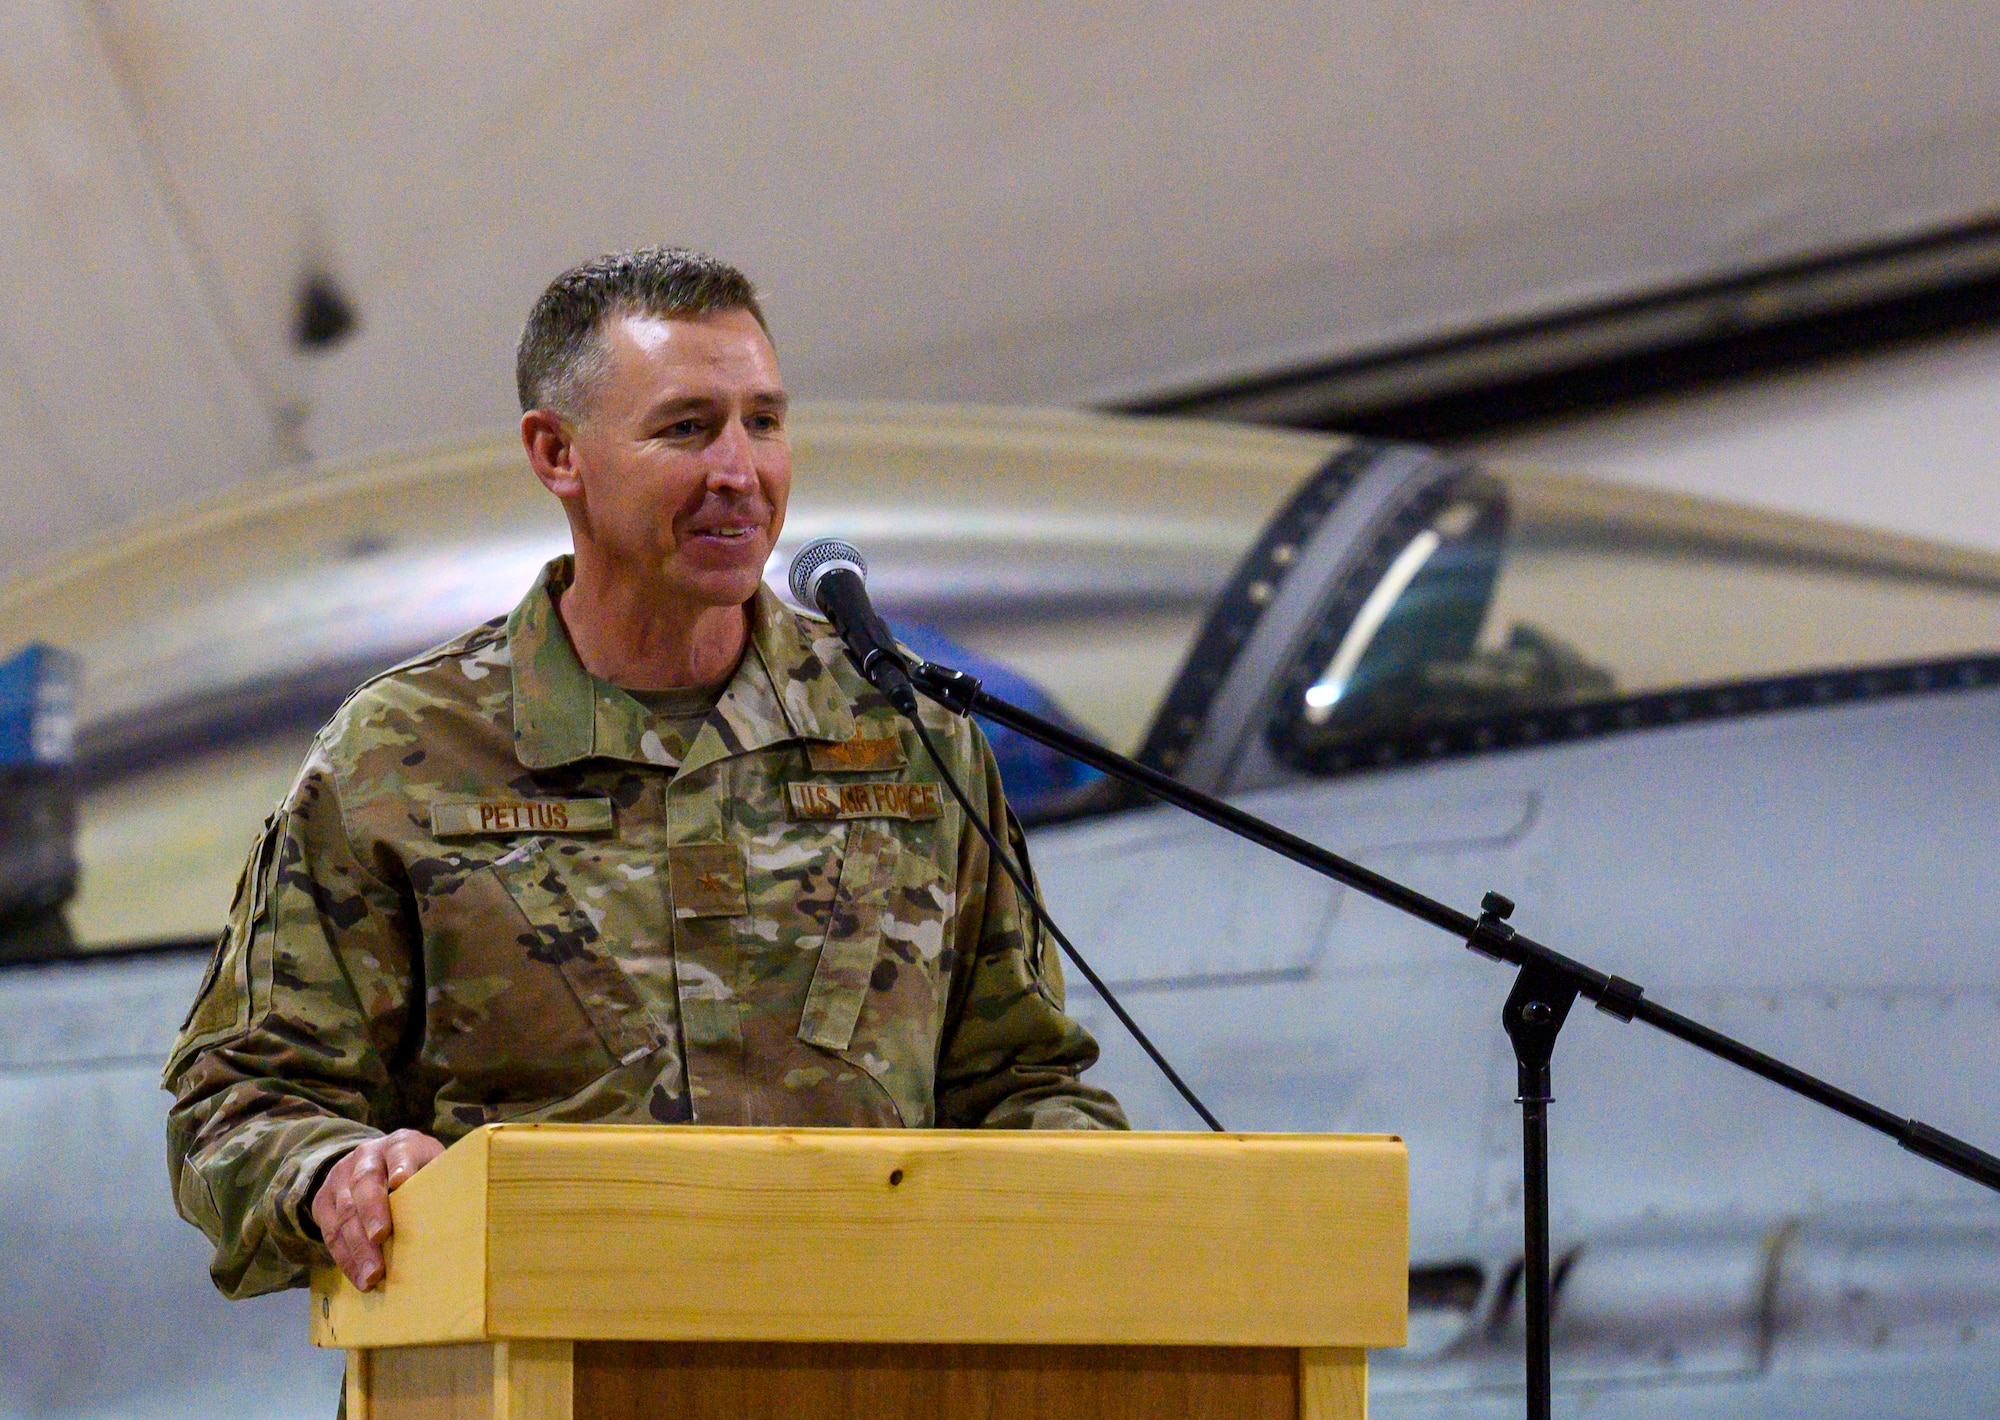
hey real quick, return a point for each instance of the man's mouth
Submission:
(723, 529)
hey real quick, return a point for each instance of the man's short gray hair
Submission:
(562, 353)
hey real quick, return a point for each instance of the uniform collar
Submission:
(782, 690)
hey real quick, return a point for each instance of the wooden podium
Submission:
(615, 1273)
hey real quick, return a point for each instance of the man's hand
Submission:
(352, 1205)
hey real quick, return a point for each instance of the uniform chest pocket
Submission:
(523, 999)
(878, 988)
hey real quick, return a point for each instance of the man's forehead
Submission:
(660, 360)
(705, 336)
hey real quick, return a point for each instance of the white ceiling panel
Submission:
(1024, 202)
(125, 389)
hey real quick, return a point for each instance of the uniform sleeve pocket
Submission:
(217, 1012)
(853, 942)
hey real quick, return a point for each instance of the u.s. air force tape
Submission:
(521, 816)
(816, 798)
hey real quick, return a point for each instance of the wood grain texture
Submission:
(431, 1382)
(999, 1237)
(435, 1286)
(1333, 1384)
(355, 1387)
(942, 1236)
(766, 1381)
(533, 1380)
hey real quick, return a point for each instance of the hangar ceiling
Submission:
(1025, 203)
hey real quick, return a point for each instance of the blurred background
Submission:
(1086, 309)
(1743, 249)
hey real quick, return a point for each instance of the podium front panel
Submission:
(566, 1272)
(749, 1380)
(998, 1237)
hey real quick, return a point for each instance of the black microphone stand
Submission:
(1545, 988)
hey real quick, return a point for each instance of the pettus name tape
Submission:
(890, 799)
(521, 816)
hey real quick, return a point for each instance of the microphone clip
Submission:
(955, 690)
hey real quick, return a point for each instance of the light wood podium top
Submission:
(608, 1232)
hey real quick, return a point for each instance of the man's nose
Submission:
(732, 461)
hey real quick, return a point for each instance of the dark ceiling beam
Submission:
(1514, 373)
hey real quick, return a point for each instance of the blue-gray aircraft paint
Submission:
(107, 1310)
(1818, 883)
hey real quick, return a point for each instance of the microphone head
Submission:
(817, 558)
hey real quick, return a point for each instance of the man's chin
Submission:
(715, 587)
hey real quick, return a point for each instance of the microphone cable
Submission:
(1044, 921)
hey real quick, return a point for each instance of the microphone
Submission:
(831, 575)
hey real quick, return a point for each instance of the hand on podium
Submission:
(351, 1207)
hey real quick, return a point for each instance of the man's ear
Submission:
(551, 452)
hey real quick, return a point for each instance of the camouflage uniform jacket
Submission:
(488, 896)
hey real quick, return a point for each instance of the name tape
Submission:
(815, 799)
(521, 816)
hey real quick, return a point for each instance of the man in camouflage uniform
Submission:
(648, 849)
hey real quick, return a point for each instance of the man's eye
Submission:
(681, 429)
